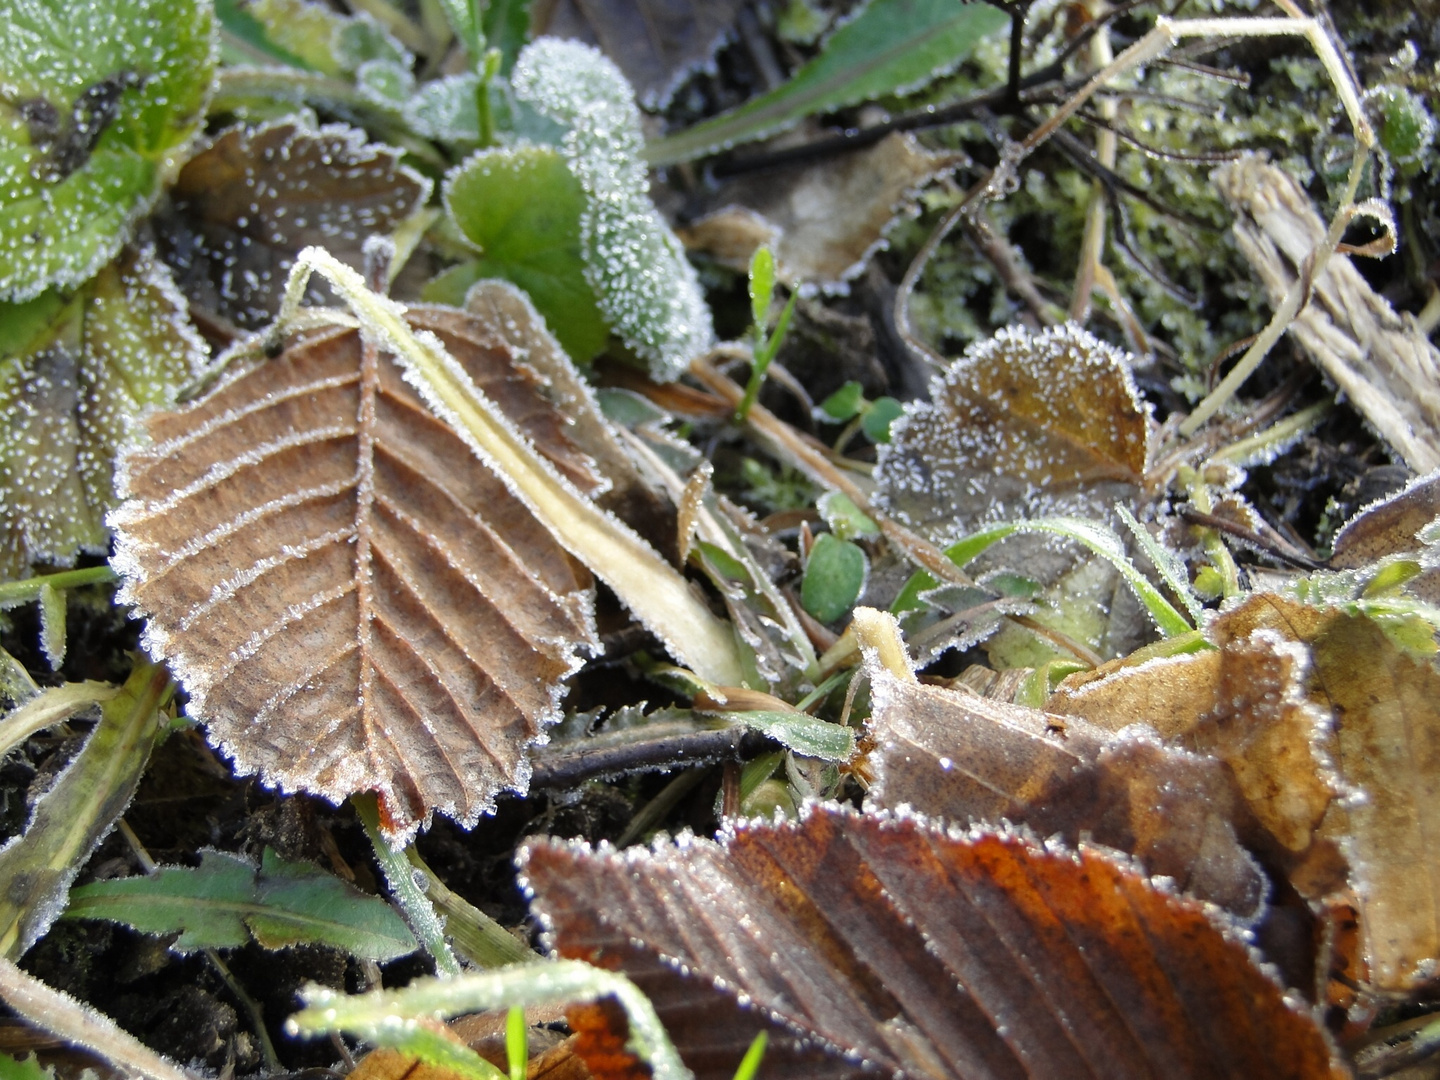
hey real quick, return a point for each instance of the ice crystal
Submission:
(647, 290)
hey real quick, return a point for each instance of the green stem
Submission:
(28, 589)
(477, 937)
(409, 897)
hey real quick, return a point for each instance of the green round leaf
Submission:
(878, 418)
(844, 403)
(834, 577)
(100, 101)
(521, 207)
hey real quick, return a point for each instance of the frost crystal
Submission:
(646, 288)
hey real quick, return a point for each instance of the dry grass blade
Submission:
(875, 945)
(352, 600)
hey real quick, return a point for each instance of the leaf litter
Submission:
(1251, 759)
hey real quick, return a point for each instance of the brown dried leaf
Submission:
(352, 601)
(823, 222)
(245, 206)
(1386, 744)
(1389, 527)
(1023, 425)
(1245, 704)
(866, 943)
(970, 759)
(656, 43)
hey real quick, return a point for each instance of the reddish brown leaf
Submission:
(969, 759)
(352, 600)
(867, 943)
(1389, 527)
(244, 207)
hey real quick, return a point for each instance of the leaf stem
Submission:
(27, 589)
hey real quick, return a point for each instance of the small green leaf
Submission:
(506, 24)
(844, 403)
(762, 285)
(750, 1063)
(879, 416)
(834, 577)
(891, 47)
(101, 99)
(225, 902)
(52, 625)
(464, 19)
(26, 1068)
(799, 732)
(846, 520)
(521, 207)
(517, 1049)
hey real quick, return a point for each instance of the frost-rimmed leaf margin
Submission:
(647, 289)
(81, 200)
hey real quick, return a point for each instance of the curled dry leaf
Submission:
(1386, 744)
(1245, 704)
(352, 600)
(970, 759)
(245, 206)
(795, 211)
(1390, 527)
(875, 943)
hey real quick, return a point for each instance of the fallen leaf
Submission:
(244, 207)
(793, 210)
(656, 43)
(968, 759)
(1244, 703)
(890, 944)
(353, 601)
(1023, 425)
(1390, 526)
(1386, 744)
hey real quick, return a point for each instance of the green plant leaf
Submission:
(521, 207)
(506, 24)
(799, 732)
(891, 47)
(26, 1068)
(844, 403)
(846, 520)
(102, 99)
(834, 577)
(762, 285)
(646, 288)
(464, 20)
(83, 805)
(225, 902)
(882, 413)
(74, 394)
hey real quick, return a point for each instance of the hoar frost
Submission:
(646, 288)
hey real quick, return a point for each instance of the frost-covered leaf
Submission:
(353, 602)
(101, 100)
(1386, 744)
(1245, 704)
(824, 220)
(69, 819)
(244, 207)
(647, 291)
(521, 208)
(73, 395)
(656, 43)
(970, 759)
(1389, 527)
(835, 576)
(889, 47)
(313, 35)
(889, 945)
(226, 901)
(1024, 425)
(26, 1068)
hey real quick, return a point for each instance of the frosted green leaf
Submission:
(74, 394)
(384, 82)
(101, 101)
(26, 1068)
(521, 208)
(890, 47)
(226, 901)
(446, 109)
(647, 290)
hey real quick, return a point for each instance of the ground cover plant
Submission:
(726, 540)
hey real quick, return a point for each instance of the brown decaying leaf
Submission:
(557, 1062)
(868, 943)
(1386, 743)
(1245, 704)
(970, 759)
(1388, 527)
(352, 600)
(244, 207)
(1023, 425)
(824, 221)
(656, 43)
